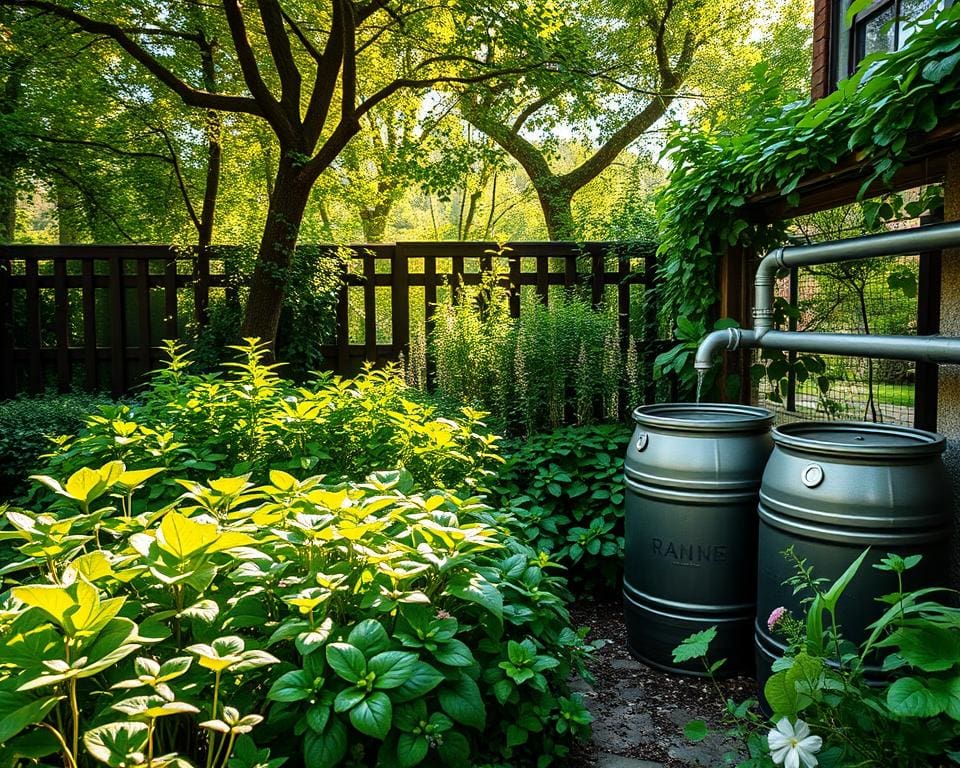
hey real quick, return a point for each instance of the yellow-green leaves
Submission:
(76, 608)
(85, 485)
(228, 653)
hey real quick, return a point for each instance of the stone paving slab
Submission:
(616, 761)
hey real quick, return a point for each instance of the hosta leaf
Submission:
(373, 715)
(205, 610)
(112, 743)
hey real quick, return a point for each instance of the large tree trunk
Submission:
(8, 199)
(70, 212)
(291, 191)
(374, 222)
(557, 205)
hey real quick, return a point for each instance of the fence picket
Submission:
(29, 353)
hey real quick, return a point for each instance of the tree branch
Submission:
(290, 79)
(325, 84)
(271, 109)
(190, 96)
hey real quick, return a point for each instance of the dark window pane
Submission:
(910, 10)
(878, 34)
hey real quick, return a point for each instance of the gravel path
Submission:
(640, 712)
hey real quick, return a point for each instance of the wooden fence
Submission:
(92, 316)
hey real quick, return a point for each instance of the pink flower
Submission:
(775, 616)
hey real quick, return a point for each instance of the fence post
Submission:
(118, 328)
(926, 376)
(8, 376)
(370, 304)
(35, 366)
(400, 301)
(61, 322)
(651, 328)
(88, 302)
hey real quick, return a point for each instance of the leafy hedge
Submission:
(27, 426)
(172, 613)
(250, 420)
(873, 116)
(566, 490)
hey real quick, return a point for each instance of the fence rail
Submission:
(93, 316)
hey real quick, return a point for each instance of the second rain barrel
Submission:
(831, 490)
(692, 476)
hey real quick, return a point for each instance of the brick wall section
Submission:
(820, 84)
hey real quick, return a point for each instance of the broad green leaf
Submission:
(328, 749)
(348, 698)
(695, 730)
(694, 647)
(373, 715)
(476, 589)
(19, 711)
(423, 679)
(908, 697)
(454, 654)
(392, 668)
(411, 749)
(462, 701)
(112, 743)
(347, 661)
(369, 637)
(291, 686)
(781, 694)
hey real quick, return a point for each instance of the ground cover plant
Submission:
(248, 419)
(269, 616)
(891, 701)
(27, 425)
(566, 490)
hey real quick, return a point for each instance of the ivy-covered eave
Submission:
(895, 106)
(924, 163)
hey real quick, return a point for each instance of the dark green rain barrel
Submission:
(692, 477)
(831, 490)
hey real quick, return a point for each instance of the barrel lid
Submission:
(703, 417)
(858, 438)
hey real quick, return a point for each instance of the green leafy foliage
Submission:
(566, 490)
(909, 718)
(556, 364)
(251, 619)
(248, 422)
(29, 427)
(872, 116)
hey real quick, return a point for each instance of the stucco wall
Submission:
(948, 399)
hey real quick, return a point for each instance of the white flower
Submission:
(791, 744)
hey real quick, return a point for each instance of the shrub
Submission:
(26, 426)
(249, 420)
(360, 623)
(566, 490)
(556, 364)
(907, 715)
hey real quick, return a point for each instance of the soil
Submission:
(639, 712)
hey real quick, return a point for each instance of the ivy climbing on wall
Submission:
(873, 116)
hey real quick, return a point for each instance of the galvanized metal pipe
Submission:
(935, 349)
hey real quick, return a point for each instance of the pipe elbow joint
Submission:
(714, 342)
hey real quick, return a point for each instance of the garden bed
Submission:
(639, 712)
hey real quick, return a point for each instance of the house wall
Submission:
(820, 76)
(948, 396)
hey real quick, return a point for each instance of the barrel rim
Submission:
(751, 418)
(791, 436)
